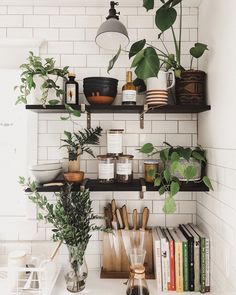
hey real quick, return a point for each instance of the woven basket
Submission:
(191, 88)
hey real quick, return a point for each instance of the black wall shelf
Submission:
(137, 185)
(122, 109)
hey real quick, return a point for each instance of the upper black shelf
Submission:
(135, 185)
(122, 109)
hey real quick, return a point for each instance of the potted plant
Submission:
(72, 218)
(41, 82)
(148, 59)
(179, 164)
(78, 143)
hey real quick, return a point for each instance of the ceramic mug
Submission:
(160, 82)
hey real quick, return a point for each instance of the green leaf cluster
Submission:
(71, 216)
(79, 142)
(148, 59)
(170, 158)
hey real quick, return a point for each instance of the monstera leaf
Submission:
(165, 17)
(198, 50)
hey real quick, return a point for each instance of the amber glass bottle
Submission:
(72, 90)
(129, 90)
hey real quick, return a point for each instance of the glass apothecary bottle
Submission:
(106, 168)
(115, 142)
(124, 168)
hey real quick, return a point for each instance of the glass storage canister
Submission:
(115, 142)
(106, 168)
(150, 170)
(124, 168)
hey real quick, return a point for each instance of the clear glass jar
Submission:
(115, 142)
(106, 168)
(150, 170)
(124, 168)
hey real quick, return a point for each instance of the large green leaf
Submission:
(175, 2)
(174, 188)
(147, 148)
(157, 181)
(165, 18)
(198, 50)
(136, 47)
(148, 4)
(174, 157)
(198, 156)
(138, 58)
(149, 65)
(207, 182)
(162, 190)
(169, 206)
(113, 60)
(167, 175)
(190, 172)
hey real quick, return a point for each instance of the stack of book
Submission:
(182, 259)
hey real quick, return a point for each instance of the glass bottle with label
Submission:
(115, 142)
(72, 90)
(129, 90)
(124, 168)
(106, 168)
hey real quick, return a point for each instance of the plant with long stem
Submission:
(148, 59)
(71, 216)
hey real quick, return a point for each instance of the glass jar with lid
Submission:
(115, 142)
(106, 168)
(150, 170)
(124, 168)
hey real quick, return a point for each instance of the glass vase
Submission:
(76, 277)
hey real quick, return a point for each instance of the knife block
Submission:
(117, 266)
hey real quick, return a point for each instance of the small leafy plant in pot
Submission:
(41, 82)
(179, 164)
(78, 143)
(148, 59)
(73, 221)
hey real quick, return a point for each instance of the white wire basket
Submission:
(38, 280)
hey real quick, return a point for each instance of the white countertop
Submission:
(97, 286)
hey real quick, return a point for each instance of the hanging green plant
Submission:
(179, 164)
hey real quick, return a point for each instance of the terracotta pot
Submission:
(74, 177)
(191, 88)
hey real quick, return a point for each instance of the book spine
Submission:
(185, 266)
(178, 267)
(158, 266)
(203, 265)
(207, 252)
(191, 264)
(171, 285)
(196, 266)
(164, 265)
(168, 263)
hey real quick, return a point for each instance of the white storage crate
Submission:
(38, 280)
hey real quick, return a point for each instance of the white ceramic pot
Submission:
(37, 93)
(160, 82)
(184, 163)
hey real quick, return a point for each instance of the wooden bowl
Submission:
(74, 177)
(100, 99)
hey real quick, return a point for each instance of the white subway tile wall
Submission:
(69, 33)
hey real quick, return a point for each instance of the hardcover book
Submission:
(171, 285)
(157, 259)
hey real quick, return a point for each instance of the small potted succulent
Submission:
(178, 164)
(73, 221)
(148, 59)
(78, 143)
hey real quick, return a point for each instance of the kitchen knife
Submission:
(145, 216)
(119, 218)
(126, 231)
(108, 219)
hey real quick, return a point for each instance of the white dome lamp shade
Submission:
(112, 33)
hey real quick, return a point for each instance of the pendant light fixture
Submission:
(112, 33)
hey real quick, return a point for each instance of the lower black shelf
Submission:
(136, 185)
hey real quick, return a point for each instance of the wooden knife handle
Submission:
(135, 219)
(113, 208)
(125, 217)
(119, 218)
(145, 217)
